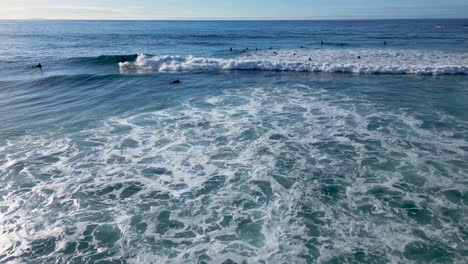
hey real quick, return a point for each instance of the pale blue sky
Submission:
(232, 9)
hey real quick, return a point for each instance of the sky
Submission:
(232, 9)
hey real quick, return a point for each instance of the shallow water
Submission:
(255, 157)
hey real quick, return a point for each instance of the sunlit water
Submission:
(285, 155)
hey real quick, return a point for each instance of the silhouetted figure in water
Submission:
(321, 43)
(294, 54)
(230, 49)
(301, 47)
(256, 49)
(385, 43)
(271, 48)
(175, 82)
(39, 66)
(358, 57)
(310, 59)
(122, 59)
(275, 53)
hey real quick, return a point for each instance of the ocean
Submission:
(309, 142)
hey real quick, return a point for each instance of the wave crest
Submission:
(332, 61)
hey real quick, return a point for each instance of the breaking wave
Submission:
(358, 61)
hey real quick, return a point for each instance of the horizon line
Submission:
(231, 19)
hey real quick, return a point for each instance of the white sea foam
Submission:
(275, 153)
(371, 61)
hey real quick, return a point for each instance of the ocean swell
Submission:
(358, 61)
(103, 59)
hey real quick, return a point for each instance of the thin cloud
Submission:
(171, 11)
(83, 12)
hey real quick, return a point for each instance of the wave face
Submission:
(104, 59)
(358, 61)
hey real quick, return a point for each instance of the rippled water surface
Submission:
(257, 156)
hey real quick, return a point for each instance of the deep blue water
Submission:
(350, 151)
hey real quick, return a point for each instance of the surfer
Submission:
(175, 82)
(310, 59)
(358, 57)
(122, 59)
(385, 43)
(321, 43)
(230, 49)
(38, 66)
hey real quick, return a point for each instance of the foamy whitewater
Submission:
(258, 155)
(363, 61)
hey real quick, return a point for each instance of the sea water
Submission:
(283, 150)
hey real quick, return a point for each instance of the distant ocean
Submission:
(309, 142)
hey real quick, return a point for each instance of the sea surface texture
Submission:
(283, 150)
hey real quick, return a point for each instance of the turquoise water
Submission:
(258, 156)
